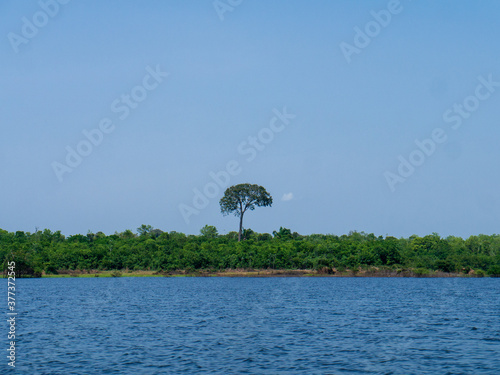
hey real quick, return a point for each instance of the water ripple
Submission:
(258, 326)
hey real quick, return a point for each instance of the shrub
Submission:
(446, 265)
(479, 273)
(51, 269)
(37, 272)
(421, 271)
(494, 271)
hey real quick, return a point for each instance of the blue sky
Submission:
(333, 167)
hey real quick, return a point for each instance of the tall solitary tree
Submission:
(238, 199)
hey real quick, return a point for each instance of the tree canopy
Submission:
(52, 252)
(240, 198)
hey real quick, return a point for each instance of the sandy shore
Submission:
(373, 272)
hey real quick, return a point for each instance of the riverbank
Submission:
(325, 272)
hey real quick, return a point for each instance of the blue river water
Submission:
(257, 326)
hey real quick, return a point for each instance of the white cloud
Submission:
(287, 197)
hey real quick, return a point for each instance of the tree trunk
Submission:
(241, 227)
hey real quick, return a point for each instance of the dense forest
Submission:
(152, 249)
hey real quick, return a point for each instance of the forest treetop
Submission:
(240, 198)
(155, 249)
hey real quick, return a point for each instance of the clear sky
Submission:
(388, 114)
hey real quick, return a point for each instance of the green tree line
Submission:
(154, 249)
